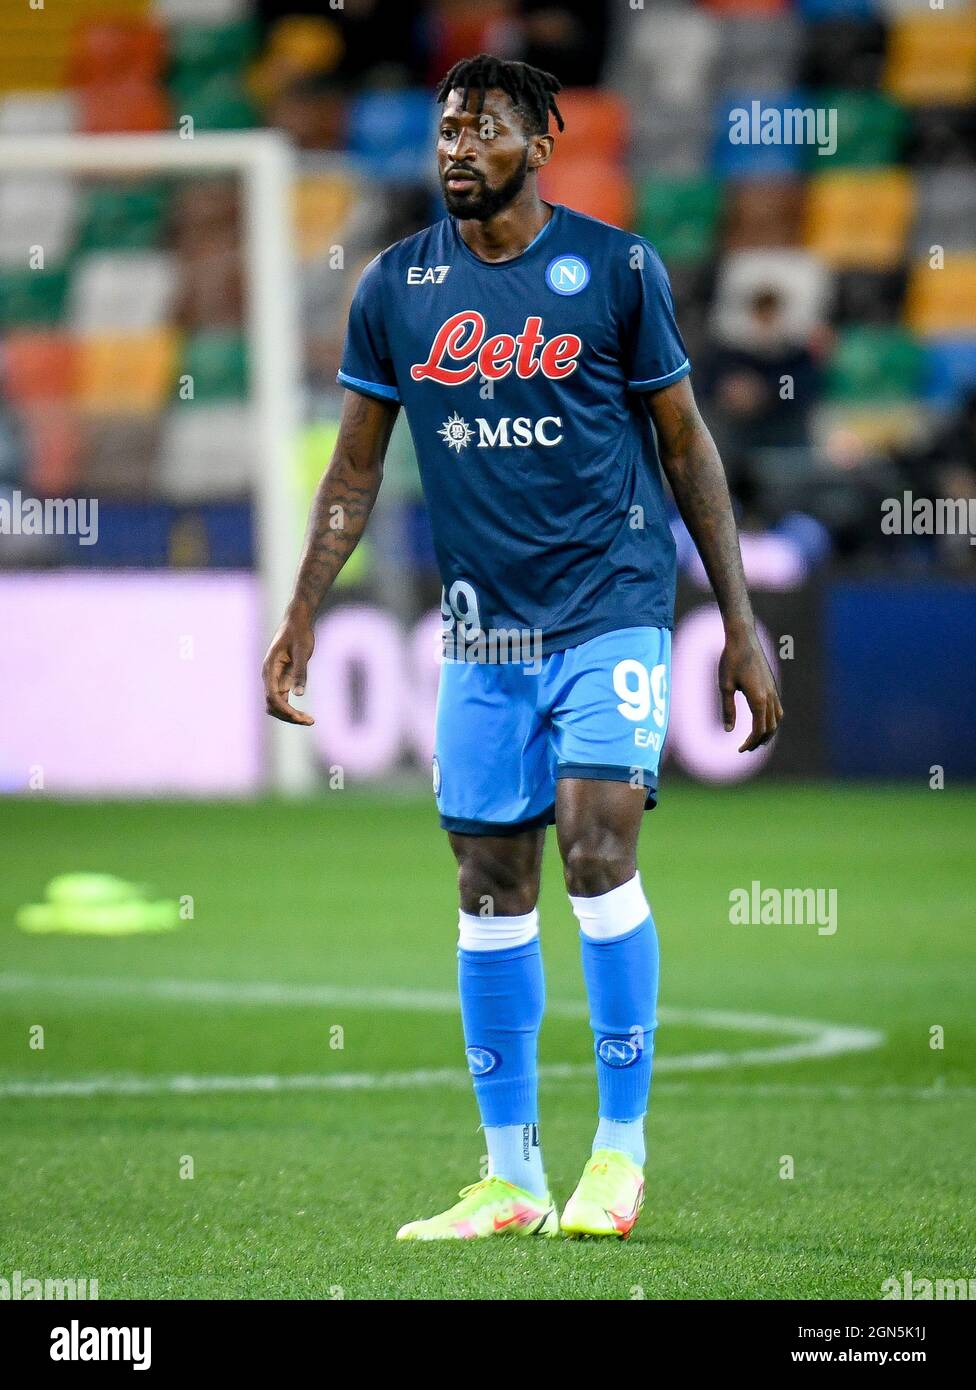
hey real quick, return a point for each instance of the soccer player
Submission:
(532, 349)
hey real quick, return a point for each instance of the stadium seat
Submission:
(597, 189)
(869, 296)
(843, 53)
(951, 370)
(118, 455)
(207, 452)
(32, 297)
(680, 216)
(755, 160)
(38, 113)
(122, 292)
(746, 7)
(220, 103)
(115, 50)
(206, 213)
(390, 134)
(597, 125)
(946, 211)
(871, 130)
(932, 58)
(942, 135)
(210, 292)
(130, 106)
(126, 374)
(669, 139)
(666, 57)
(762, 213)
(875, 364)
(209, 12)
(216, 359)
(52, 435)
(123, 216)
(837, 229)
(943, 302)
(837, 9)
(199, 50)
(36, 210)
(37, 366)
(322, 204)
(759, 52)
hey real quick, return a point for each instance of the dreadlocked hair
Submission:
(533, 92)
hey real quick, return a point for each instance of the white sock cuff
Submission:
(477, 933)
(614, 913)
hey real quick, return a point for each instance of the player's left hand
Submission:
(744, 667)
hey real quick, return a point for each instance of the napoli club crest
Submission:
(567, 274)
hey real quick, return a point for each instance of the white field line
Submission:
(813, 1039)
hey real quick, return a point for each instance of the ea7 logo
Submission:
(427, 274)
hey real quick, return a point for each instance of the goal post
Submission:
(265, 163)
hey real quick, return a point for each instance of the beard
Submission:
(481, 202)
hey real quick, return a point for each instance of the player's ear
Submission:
(540, 150)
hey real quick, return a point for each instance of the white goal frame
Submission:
(265, 163)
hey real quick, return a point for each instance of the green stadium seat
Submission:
(123, 217)
(221, 103)
(197, 50)
(679, 216)
(216, 359)
(871, 130)
(32, 297)
(876, 363)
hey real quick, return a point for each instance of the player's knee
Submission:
(596, 863)
(492, 887)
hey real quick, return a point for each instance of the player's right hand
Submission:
(285, 669)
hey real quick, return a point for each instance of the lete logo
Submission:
(463, 336)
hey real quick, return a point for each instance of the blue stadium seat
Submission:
(390, 134)
(756, 160)
(951, 370)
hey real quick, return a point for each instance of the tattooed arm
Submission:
(693, 468)
(341, 507)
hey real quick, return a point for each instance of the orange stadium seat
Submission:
(859, 219)
(38, 366)
(113, 107)
(52, 434)
(943, 302)
(932, 58)
(597, 125)
(598, 189)
(321, 204)
(130, 373)
(115, 50)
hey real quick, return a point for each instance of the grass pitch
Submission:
(297, 1041)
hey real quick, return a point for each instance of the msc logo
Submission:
(481, 1060)
(618, 1052)
(567, 274)
(506, 433)
(427, 274)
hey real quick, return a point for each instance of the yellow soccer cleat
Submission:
(492, 1207)
(608, 1197)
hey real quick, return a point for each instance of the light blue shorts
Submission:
(506, 733)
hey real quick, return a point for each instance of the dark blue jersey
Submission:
(522, 383)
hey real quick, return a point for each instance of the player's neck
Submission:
(509, 232)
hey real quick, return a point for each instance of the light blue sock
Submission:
(618, 941)
(502, 999)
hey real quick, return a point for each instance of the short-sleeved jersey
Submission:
(521, 382)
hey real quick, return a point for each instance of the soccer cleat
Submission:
(608, 1197)
(492, 1207)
